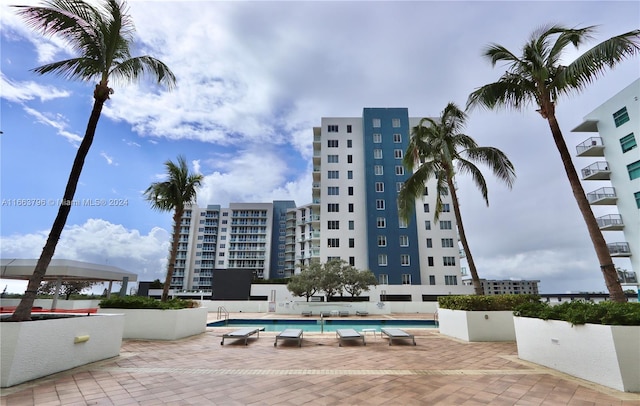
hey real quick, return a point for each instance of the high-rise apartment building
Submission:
(613, 180)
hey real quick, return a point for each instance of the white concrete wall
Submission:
(607, 355)
(154, 324)
(477, 325)
(62, 304)
(35, 349)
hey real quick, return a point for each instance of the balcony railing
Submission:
(610, 222)
(596, 171)
(604, 195)
(619, 249)
(590, 147)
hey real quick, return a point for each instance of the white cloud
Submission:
(23, 91)
(108, 158)
(56, 121)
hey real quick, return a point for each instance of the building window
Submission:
(333, 174)
(399, 170)
(399, 186)
(332, 128)
(620, 117)
(397, 138)
(382, 241)
(377, 138)
(349, 143)
(377, 170)
(333, 225)
(426, 191)
(350, 190)
(379, 204)
(397, 153)
(429, 243)
(427, 225)
(425, 207)
(402, 223)
(382, 259)
(333, 190)
(377, 153)
(333, 207)
(395, 122)
(628, 142)
(333, 242)
(405, 260)
(383, 279)
(636, 195)
(349, 159)
(350, 207)
(349, 130)
(450, 280)
(352, 261)
(376, 123)
(432, 279)
(449, 261)
(634, 170)
(404, 240)
(351, 225)
(406, 279)
(332, 143)
(447, 243)
(349, 174)
(379, 187)
(352, 242)
(381, 222)
(430, 261)
(445, 225)
(332, 159)
(446, 208)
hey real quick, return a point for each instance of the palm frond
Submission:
(467, 167)
(498, 53)
(496, 160)
(510, 91)
(76, 68)
(133, 68)
(413, 187)
(178, 190)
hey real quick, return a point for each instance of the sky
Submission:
(253, 79)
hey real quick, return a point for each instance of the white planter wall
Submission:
(477, 325)
(154, 324)
(607, 355)
(34, 349)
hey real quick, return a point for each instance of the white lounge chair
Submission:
(396, 333)
(349, 334)
(242, 333)
(290, 334)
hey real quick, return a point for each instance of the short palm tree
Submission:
(439, 149)
(178, 191)
(537, 78)
(102, 37)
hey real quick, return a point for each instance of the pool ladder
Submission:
(223, 312)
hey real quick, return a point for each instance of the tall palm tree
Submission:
(178, 191)
(439, 149)
(102, 37)
(537, 77)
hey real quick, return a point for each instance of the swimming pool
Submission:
(314, 325)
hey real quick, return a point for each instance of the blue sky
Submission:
(253, 79)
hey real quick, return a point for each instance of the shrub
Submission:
(143, 302)
(581, 312)
(485, 302)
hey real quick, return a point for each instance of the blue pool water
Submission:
(313, 325)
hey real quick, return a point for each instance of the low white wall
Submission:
(607, 355)
(477, 325)
(299, 306)
(154, 324)
(62, 304)
(35, 349)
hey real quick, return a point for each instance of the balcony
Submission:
(610, 222)
(602, 196)
(590, 147)
(619, 249)
(596, 171)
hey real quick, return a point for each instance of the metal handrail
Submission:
(223, 312)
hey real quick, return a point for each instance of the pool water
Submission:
(314, 325)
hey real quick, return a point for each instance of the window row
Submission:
(377, 123)
(397, 153)
(377, 138)
(334, 128)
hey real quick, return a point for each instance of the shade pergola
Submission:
(66, 270)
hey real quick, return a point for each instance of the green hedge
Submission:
(581, 312)
(143, 302)
(485, 302)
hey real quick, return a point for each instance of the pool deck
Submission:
(197, 370)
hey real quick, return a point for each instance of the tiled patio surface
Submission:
(199, 371)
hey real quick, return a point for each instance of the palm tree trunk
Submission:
(23, 311)
(177, 216)
(463, 238)
(600, 245)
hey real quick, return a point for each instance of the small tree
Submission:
(307, 282)
(67, 288)
(356, 281)
(331, 281)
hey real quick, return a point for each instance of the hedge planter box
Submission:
(606, 355)
(477, 325)
(33, 349)
(155, 324)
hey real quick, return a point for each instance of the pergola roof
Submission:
(65, 269)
